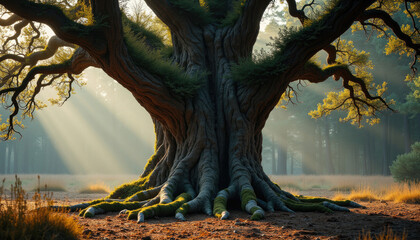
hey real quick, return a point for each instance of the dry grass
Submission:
(397, 192)
(404, 192)
(331, 182)
(18, 220)
(387, 234)
(361, 194)
(96, 188)
(359, 188)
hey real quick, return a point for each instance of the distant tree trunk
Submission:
(338, 146)
(2, 157)
(7, 160)
(273, 156)
(368, 154)
(364, 159)
(292, 163)
(385, 146)
(18, 157)
(15, 163)
(329, 162)
(46, 150)
(282, 159)
(318, 165)
(309, 155)
(407, 139)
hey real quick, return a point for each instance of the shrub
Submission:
(407, 166)
(96, 188)
(20, 221)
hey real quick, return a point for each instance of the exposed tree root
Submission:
(156, 202)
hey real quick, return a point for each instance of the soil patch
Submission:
(279, 225)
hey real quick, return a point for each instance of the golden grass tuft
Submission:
(387, 234)
(363, 194)
(20, 220)
(96, 188)
(397, 192)
(404, 192)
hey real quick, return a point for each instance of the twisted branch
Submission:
(315, 74)
(87, 36)
(32, 59)
(10, 21)
(395, 27)
(79, 61)
(300, 14)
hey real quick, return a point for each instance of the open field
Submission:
(379, 214)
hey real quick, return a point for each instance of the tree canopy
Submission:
(31, 62)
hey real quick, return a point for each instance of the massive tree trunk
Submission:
(209, 145)
(221, 144)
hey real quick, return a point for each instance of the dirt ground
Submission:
(279, 225)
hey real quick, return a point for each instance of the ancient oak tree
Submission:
(209, 98)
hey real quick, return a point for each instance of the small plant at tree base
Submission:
(407, 166)
(18, 220)
(387, 234)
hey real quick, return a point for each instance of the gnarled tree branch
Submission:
(300, 14)
(315, 74)
(11, 20)
(32, 59)
(79, 61)
(65, 28)
(387, 19)
(294, 54)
